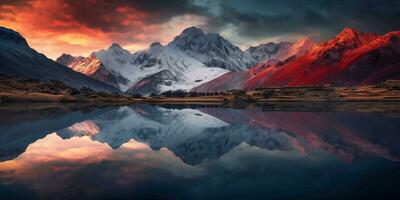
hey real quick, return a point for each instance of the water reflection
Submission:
(152, 152)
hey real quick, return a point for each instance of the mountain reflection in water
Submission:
(153, 152)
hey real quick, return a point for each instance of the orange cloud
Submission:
(63, 26)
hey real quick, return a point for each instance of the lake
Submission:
(70, 151)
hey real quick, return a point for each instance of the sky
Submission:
(80, 27)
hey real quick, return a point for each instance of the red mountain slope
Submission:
(351, 58)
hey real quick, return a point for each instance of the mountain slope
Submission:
(17, 58)
(350, 58)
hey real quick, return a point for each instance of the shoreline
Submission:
(95, 98)
(378, 107)
(15, 89)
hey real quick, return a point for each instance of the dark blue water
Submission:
(152, 152)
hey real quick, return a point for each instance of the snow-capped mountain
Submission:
(167, 68)
(212, 50)
(156, 69)
(191, 59)
(17, 58)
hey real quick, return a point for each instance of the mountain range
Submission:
(349, 59)
(192, 58)
(189, 60)
(206, 62)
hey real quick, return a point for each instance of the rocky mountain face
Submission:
(350, 58)
(18, 59)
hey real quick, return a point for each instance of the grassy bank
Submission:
(13, 89)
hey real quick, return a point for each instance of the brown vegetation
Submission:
(14, 89)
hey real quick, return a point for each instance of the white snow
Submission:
(156, 58)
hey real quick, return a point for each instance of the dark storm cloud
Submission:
(261, 18)
(252, 18)
(93, 24)
(105, 16)
(13, 2)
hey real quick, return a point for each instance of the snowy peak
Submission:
(211, 49)
(115, 46)
(8, 35)
(194, 39)
(192, 32)
(114, 50)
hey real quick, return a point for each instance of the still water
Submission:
(155, 152)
